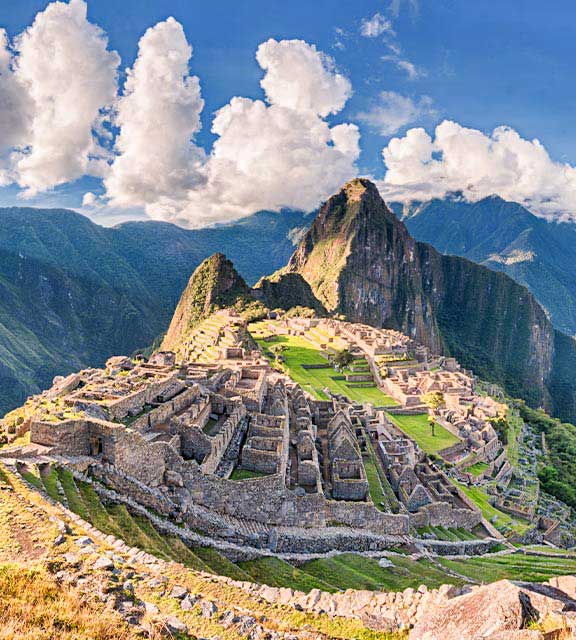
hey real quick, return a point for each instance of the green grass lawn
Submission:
(477, 468)
(517, 566)
(352, 571)
(277, 573)
(300, 351)
(244, 474)
(418, 428)
(502, 520)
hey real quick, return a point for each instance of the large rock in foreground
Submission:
(490, 611)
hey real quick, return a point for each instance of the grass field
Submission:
(515, 567)
(245, 474)
(300, 351)
(477, 468)
(351, 571)
(418, 428)
(498, 518)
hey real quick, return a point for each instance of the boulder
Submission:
(179, 593)
(103, 562)
(503, 606)
(119, 363)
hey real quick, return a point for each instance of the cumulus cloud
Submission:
(301, 78)
(420, 167)
(15, 111)
(284, 153)
(267, 155)
(70, 77)
(393, 111)
(376, 26)
(158, 115)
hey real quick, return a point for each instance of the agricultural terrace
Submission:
(502, 521)
(418, 428)
(301, 352)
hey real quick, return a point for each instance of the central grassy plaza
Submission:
(299, 354)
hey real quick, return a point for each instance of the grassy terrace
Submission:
(418, 428)
(499, 519)
(518, 566)
(300, 351)
(477, 468)
(245, 474)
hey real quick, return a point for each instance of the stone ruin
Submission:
(239, 452)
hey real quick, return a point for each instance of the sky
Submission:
(204, 112)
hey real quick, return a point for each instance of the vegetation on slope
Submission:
(558, 473)
(73, 293)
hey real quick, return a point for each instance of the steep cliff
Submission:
(504, 236)
(360, 260)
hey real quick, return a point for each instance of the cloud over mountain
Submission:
(420, 167)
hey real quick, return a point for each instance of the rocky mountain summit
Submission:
(361, 261)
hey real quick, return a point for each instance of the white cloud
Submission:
(70, 77)
(282, 153)
(461, 159)
(158, 116)
(412, 71)
(266, 155)
(393, 111)
(300, 77)
(376, 26)
(89, 199)
(15, 111)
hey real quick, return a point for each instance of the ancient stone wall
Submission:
(365, 515)
(140, 459)
(70, 437)
(442, 514)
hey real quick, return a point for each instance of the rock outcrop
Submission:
(287, 290)
(490, 611)
(360, 260)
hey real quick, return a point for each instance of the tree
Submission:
(433, 400)
(277, 350)
(343, 358)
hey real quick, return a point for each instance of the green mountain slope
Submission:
(73, 293)
(504, 236)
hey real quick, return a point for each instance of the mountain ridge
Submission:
(504, 236)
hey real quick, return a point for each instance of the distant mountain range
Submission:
(505, 236)
(72, 293)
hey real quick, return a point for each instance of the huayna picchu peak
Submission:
(361, 262)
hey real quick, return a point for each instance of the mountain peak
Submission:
(215, 284)
(358, 188)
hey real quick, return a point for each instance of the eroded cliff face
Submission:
(360, 260)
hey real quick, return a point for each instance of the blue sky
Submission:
(481, 64)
